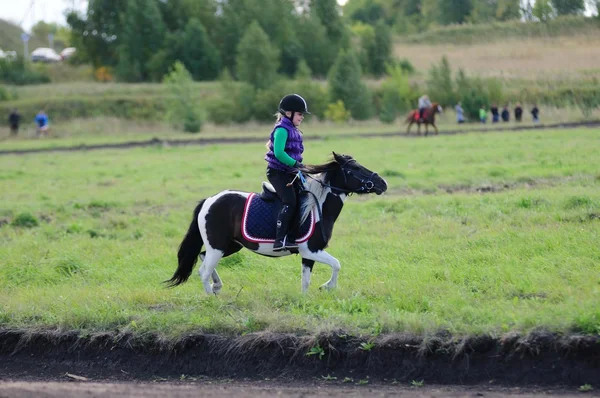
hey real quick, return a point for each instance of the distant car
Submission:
(67, 52)
(44, 54)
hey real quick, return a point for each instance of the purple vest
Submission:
(293, 145)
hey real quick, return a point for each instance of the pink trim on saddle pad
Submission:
(250, 238)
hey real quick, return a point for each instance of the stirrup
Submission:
(290, 244)
(279, 245)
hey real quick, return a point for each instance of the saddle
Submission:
(259, 220)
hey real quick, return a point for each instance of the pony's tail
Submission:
(189, 250)
(410, 117)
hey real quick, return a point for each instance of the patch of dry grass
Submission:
(541, 58)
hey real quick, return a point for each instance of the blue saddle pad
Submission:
(259, 221)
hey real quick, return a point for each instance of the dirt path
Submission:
(215, 388)
(246, 140)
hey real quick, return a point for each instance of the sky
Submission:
(28, 12)
(23, 13)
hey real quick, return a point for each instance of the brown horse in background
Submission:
(428, 118)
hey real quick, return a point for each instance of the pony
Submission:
(428, 118)
(218, 222)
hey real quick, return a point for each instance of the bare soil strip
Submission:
(246, 140)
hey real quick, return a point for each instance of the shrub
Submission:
(25, 220)
(20, 73)
(337, 112)
(183, 109)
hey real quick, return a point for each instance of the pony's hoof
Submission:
(217, 289)
(325, 287)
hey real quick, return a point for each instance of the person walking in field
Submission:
(495, 114)
(460, 113)
(518, 113)
(42, 123)
(482, 114)
(13, 120)
(535, 114)
(505, 114)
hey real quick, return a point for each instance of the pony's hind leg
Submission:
(234, 247)
(207, 270)
(217, 282)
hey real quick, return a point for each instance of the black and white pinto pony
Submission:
(218, 222)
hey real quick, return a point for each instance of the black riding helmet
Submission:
(293, 103)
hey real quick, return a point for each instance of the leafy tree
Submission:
(199, 55)
(398, 81)
(277, 19)
(569, 7)
(318, 51)
(142, 36)
(367, 11)
(329, 13)
(177, 14)
(303, 71)
(381, 52)
(97, 35)
(440, 84)
(500, 10)
(257, 59)
(543, 10)
(345, 84)
(183, 107)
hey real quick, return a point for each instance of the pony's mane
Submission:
(316, 183)
(322, 168)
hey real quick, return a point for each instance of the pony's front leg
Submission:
(307, 266)
(323, 257)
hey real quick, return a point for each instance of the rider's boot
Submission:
(283, 225)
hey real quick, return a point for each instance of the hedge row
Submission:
(240, 103)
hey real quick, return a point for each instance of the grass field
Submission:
(479, 233)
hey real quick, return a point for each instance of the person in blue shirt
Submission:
(460, 113)
(42, 123)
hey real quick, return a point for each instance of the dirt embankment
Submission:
(537, 359)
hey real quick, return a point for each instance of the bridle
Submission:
(366, 180)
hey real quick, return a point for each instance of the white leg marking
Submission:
(323, 257)
(306, 271)
(217, 283)
(208, 266)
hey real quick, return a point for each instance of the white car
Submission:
(44, 54)
(67, 52)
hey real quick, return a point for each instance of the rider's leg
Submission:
(421, 111)
(279, 180)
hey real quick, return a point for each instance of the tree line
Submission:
(255, 40)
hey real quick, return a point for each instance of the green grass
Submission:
(414, 260)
